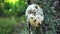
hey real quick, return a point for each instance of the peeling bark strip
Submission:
(35, 16)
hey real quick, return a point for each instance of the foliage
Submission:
(12, 24)
(5, 25)
(13, 8)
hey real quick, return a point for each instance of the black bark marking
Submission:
(34, 20)
(36, 7)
